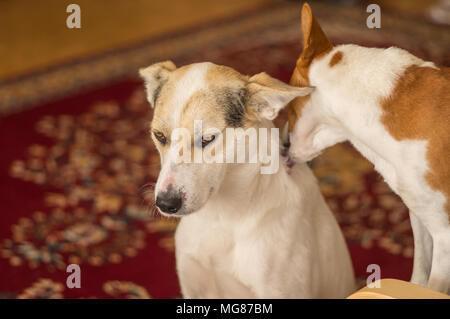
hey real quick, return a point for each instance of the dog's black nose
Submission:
(168, 202)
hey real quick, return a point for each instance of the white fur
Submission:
(263, 236)
(346, 106)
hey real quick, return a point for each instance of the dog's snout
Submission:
(168, 202)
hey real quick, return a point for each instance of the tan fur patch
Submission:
(419, 108)
(336, 58)
(315, 46)
(222, 75)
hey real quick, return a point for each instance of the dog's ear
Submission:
(268, 95)
(155, 76)
(315, 42)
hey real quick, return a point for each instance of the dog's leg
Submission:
(423, 250)
(440, 269)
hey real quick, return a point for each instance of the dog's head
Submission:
(220, 98)
(307, 115)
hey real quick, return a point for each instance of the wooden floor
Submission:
(34, 34)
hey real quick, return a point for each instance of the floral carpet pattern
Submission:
(98, 162)
(98, 172)
(77, 174)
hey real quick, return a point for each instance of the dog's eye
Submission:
(160, 137)
(207, 139)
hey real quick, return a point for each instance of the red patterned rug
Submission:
(77, 163)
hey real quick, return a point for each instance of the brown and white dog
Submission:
(242, 234)
(395, 109)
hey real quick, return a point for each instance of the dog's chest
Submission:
(215, 251)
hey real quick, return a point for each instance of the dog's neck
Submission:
(245, 189)
(348, 94)
(367, 98)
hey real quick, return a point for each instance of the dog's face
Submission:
(220, 98)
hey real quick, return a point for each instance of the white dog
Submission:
(243, 234)
(395, 109)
